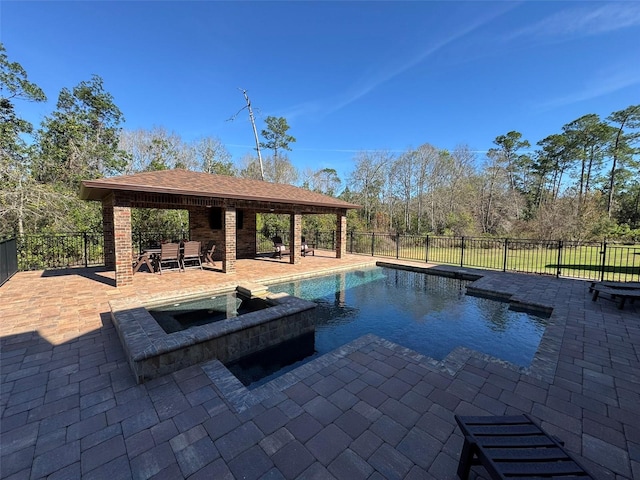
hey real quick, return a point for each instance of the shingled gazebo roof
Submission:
(200, 184)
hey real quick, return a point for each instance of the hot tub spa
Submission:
(153, 352)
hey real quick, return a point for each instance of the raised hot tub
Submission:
(152, 352)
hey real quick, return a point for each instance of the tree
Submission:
(515, 165)
(156, 149)
(458, 175)
(588, 138)
(402, 175)
(280, 171)
(425, 157)
(276, 136)
(324, 181)
(622, 149)
(513, 162)
(550, 163)
(367, 182)
(250, 168)
(80, 139)
(213, 157)
(19, 195)
(14, 85)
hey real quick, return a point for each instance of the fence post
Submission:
(604, 260)
(397, 246)
(316, 239)
(504, 259)
(426, 247)
(373, 248)
(462, 252)
(559, 271)
(351, 242)
(86, 256)
(333, 240)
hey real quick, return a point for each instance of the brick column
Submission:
(341, 234)
(108, 233)
(123, 248)
(116, 221)
(295, 234)
(229, 246)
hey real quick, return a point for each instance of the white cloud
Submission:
(585, 21)
(603, 83)
(387, 72)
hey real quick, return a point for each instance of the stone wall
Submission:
(152, 353)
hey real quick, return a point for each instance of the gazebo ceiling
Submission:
(199, 184)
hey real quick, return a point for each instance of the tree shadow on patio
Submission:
(91, 273)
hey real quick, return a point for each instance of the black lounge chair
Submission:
(511, 447)
(280, 248)
(307, 249)
(619, 294)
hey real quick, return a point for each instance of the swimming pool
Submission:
(426, 313)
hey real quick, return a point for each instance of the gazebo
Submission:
(220, 208)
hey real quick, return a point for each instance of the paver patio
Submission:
(372, 409)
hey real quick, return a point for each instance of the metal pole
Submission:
(255, 133)
(397, 246)
(604, 260)
(86, 256)
(426, 247)
(559, 258)
(504, 259)
(373, 236)
(462, 253)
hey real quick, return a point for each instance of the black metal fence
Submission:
(589, 260)
(8, 259)
(64, 250)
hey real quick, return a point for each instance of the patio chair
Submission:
(280, 248)
(514, 447)
(191, 253)
(618, 294)
(140, 259)
(306, 249)
(169, 254)
(207, 252)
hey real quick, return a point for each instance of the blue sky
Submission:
(347, 76)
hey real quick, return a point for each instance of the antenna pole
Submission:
(255, 132)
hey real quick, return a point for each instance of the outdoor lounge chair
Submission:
(191, 253)
(514, 447)
(306, 249)
(280, 248)
(207, 252)
(623, 285)
(616, 293)
(169, 255)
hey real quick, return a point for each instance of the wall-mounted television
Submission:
(215, 218)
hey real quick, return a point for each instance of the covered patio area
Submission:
(221, 209)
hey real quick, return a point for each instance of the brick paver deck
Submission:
(372, 409)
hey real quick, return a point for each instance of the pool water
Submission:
(426, 313)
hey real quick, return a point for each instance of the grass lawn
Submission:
(622, 262)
